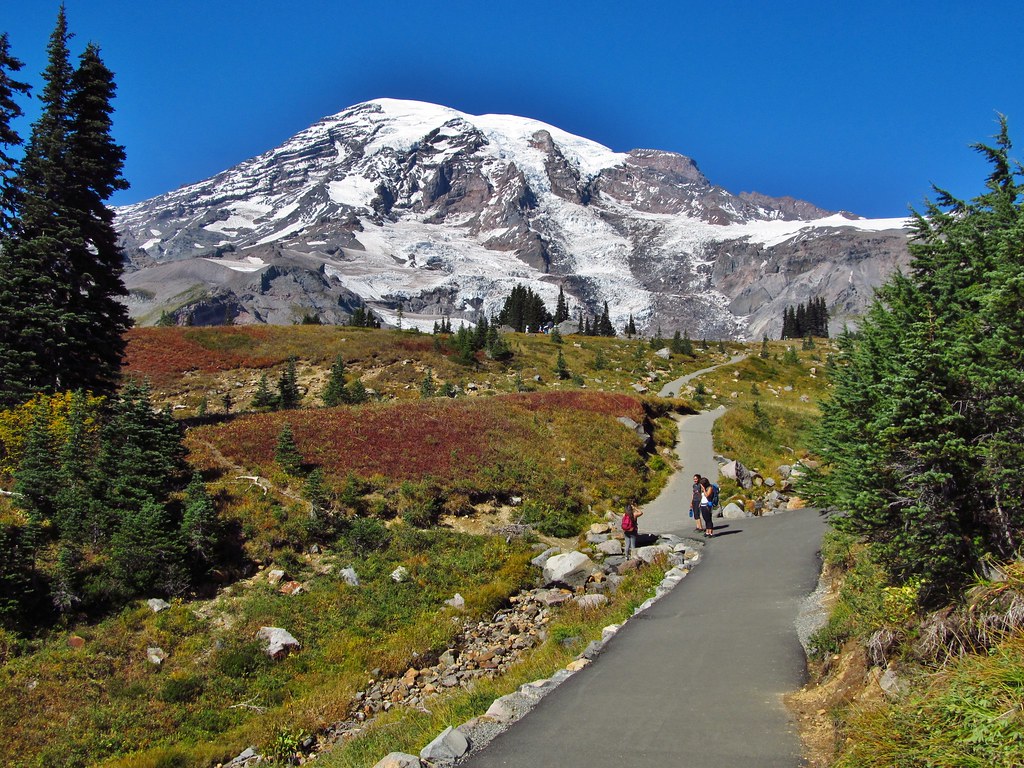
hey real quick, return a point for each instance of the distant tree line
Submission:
(810, 319)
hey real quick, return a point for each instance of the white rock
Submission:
(664, 353)
(350, 577)
(155, 655)
(733, 512)
(544, 556)
(398, 760)
(457, 602)
(279, 642)
(609, 632)
(400, 574)
(450, 744)
(572, 568)
(501, 710)
(275, 576)
(156, 604)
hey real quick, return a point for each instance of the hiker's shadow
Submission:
(646, 539)
(721, 530)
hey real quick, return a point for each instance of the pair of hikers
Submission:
(702, 503)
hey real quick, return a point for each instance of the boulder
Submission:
(733, 512)
(541, 559)
(501, 710)
(400, 574)
(156, 604)
(457, 602)
(571, 568)
(610, 547)
(552, 597)
(291, 588)
(638, 429)
(664, 353)
(591, 602)
(279, 642)
(647, 554)
(398, 760)
(734, 470)
(450, 744)
(275, 576)
(784, 471)
(155, 655)
(600, 528)
(349, 576)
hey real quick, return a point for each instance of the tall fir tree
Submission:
(9, 137)
(922, 437)
(561, 308)
(288, 394)
(334, 392)
(61, 324)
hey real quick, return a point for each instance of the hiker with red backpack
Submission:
(629, 526)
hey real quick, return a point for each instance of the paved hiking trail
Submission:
(697, 679)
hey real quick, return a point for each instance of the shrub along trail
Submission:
(698, 678)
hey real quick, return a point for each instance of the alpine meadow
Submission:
(290, 458)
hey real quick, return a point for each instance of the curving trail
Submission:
(697, 679)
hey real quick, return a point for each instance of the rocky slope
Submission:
(403, 203)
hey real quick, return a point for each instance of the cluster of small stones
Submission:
(486, 649)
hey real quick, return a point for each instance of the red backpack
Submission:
(628, 524)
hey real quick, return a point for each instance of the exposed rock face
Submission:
(394, 202)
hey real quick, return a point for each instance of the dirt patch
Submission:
(842, 680)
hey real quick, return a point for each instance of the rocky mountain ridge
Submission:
(396, 203)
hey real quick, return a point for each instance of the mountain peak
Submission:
(393, 201)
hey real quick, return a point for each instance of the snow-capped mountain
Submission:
(397, 202)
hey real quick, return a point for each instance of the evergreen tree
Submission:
(922, 438)
(686, 348)
(630, 327)
(288, 394)
(765, 353)
(604, 324)
(263, 397)
(141, 456)
(286, 453)
(428, 388)
(146, 553)
(676, 345)
(200, 525)
(561, 309)
(36, 476)
(556, 336)
(9, 138)
(61, 325)
(334, 392)
(524, 309)
(561, 369)
(356, 393)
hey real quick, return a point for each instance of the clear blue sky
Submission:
(856, 106)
